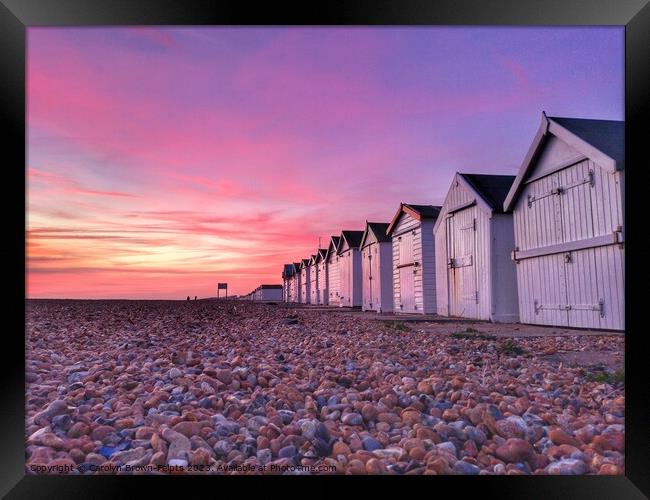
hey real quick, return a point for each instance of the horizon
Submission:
(161, 161)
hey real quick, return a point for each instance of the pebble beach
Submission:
(232, 387)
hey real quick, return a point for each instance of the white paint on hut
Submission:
(350, 268)
(294, 283)
(333, 277)
(269, 293)
(314, 279)
(567, 203)
(287, 277)
(305, 292)
(376, 268)
(414, 273)
(476, 277)
(321, 269)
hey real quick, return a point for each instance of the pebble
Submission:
(161, 383)
(371, 444)
(352, 419)
(568, 466)
(463, 467)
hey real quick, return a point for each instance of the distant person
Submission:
(188, 297)
(195, 297)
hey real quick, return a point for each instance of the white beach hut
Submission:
(567, 202)
(414, 274)
(333, 277)
(305, 282)
(269, 293)
(321, 269)
(475, 275)
(294, 292)
(376, 268)
(287, 277)
(314, 278)
(350, 268)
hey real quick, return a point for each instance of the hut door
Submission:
(406, 273)
(344, 269)
(314, 284)
(366, 271)
(584, 301)
(544, 275)
(462, 263)
(373, 255)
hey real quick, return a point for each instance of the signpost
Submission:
(222, 286)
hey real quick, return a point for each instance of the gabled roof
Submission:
(321, 254)
(602, 141)
(608, 136)
(287, 272)
(334, 244)
(316, 258)
(304, 263)
(419, 212)
(378, 229)
(492, 188)
(352, 238)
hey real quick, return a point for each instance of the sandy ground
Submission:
(219, 387)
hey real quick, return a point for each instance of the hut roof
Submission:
(603, 141)
(492, 188)
(352, 238)
(418, 212)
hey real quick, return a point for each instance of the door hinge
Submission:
(567, 257)
(618, 234)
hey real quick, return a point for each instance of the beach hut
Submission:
(567, 202)
(287, 277)
(376, 268)
(321, 269)
(314, 278)
(305, 292)
(296, 283)
(414, 274)
(333, 277)
(475, 276)
(349, 258)
(269, 293)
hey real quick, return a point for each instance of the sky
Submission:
(161, 161)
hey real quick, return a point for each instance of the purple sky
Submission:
(161, 161)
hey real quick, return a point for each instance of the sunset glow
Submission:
(163, 160)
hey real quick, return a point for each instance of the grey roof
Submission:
(607, 136)
(419, 211)
(601, 140)
(270, 286)
(353, 238)
(379, 230)
(288, 270)
(334, 240)
(425, 211)
(492, 188)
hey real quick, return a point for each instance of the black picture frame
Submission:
(17, 15)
